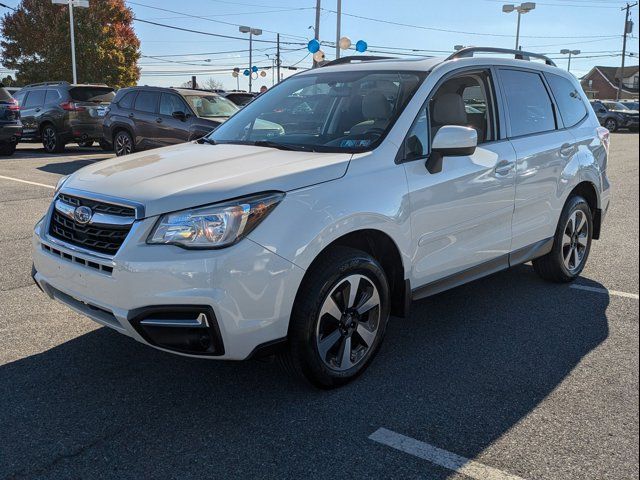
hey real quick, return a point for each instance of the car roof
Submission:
(178, 90)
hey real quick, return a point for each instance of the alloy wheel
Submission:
(124, 145)
(611, 125)
(348, 323)
(49, 139)
(575, 241)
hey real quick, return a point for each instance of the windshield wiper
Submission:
(206, 140)
(282, 146)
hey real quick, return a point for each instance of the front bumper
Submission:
(249, 289)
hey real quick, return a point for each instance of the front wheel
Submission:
(611, 125)
(339, 319)
(571, 246)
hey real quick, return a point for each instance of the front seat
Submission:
(448, 109)
(376, 111)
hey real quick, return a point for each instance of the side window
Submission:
(171, 103)
(465, 100)
(147, 102)
(35, 99)
(568, 98)
(20, 97)
(127, 100)
(528, 102)
(51, 96)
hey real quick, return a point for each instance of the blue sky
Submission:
(593, 26)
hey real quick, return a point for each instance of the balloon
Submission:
(254, 69)
(345, 43)
(313, 46)
(254, 75)
(246, 73)
(319, 56)
(361, 46)
(263, 73)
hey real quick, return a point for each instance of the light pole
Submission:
(73, 3)
(251, 32)
(566, 51)
(523, 8)
(273, 68)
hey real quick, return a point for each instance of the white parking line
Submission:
(606, 292)
(27, 181)
(439, 457)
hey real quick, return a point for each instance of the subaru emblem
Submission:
(82, 215)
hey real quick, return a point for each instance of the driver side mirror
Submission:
(451, 141)
(180, 115)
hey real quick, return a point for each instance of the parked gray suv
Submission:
(57, 113)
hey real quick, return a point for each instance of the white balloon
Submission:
(345, 43)
(319, 56)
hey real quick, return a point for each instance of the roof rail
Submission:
(519, 54)
(354, 58)
(40, 84)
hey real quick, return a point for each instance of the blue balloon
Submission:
(313, 46)
(254, 69)
(361, 46)
(246, 73)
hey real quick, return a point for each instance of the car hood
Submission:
(193, 174)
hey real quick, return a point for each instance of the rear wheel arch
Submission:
(588, 191)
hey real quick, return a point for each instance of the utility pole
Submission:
(71, 4)
(628, 28)
(338, 28)
(317, 27)
(278, 56)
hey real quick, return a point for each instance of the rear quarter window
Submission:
(568, 98)
(127, 100)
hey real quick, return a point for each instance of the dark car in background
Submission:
(57, 113)
(631, 104)
(140, 118)
(238, 97)
(614, 115)
(10, 124)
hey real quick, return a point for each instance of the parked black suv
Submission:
(10, 125)
(239, 97)
(58, 113)
(614, 115)
(150, 117)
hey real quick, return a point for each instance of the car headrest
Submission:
(375, 106)
(448, 109)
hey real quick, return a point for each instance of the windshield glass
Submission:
(328, 112)
(615, 106)
(211, 105)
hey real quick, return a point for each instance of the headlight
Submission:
(60, 183)
(214, 226)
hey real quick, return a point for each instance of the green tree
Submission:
(36, 43)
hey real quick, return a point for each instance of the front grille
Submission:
(102, 239)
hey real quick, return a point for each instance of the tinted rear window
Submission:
(529, 104)
(92, 94)
(568, 98)
(127, 100)
(147, 101)
(52, 96)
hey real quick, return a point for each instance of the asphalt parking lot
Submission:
(525, 379)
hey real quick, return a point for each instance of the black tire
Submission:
(611, 124)
(85, 143)
(8, 149)
(554, 266)
(106, 146)
(51, 140)
(123, 143)
(330, 276)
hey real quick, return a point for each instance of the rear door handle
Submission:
(158, 120)
(504, 167)
(131, 115)
(567, 150)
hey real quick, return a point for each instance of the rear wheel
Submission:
(339, 320)
(8, 149)
(123, 143)
(51, 141)
(611, 124)
(571, 246)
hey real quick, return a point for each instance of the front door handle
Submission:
(567, 150)
(504, 167)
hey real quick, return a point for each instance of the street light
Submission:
(72, 3)
(566, 51)
(523, 8)
(251, 32)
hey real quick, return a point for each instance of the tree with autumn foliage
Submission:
(37, 43)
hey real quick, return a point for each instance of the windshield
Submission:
(615, 106)
(328, 112)
(211, 105)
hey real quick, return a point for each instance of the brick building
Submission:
(602, 82)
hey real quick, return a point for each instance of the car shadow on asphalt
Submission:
(463, 369)
(66, 168)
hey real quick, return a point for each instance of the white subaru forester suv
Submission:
(328, 204)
